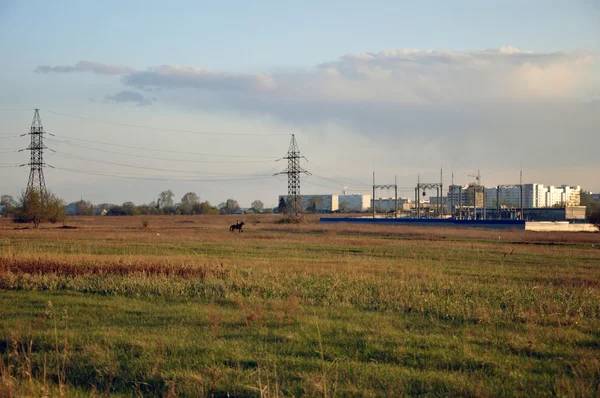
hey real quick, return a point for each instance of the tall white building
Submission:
(467, 195)
(534, 196)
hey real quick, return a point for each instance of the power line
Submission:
(153, 175)
(162, 129)
(338, 182)
(164, 150)
(68, 156)
(158, 179)
(337, 175)
(319, 185)
(159, 158)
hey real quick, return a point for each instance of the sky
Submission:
(204, 96)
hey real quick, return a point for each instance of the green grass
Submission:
(302, 311)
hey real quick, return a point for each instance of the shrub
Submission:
(37, 208)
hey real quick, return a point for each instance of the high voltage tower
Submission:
(293, 172)
(36, 161)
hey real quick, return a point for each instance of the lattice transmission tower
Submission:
(36, 161)
(293, 172)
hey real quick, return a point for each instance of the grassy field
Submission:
(183, 307)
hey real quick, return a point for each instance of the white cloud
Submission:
(85, 66)
(128, 96)
(410, 75)
(395, 76)
(480, 102)
(175, 76)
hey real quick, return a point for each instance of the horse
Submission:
(237, 226)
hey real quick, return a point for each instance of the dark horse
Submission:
(237, 226)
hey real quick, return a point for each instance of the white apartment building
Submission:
(389, 204)
(466, 195)
(534, 196)
(323, 203)
(354, 202)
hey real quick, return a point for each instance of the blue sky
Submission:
(244, 36)
(338, 74)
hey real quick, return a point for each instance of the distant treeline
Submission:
(36, 207)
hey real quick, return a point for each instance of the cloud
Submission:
(85, 66)
(410, 75)
(462, 100)
(391, 77)
(175, 76)
(129, 96)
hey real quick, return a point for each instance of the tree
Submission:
(9, 205)
(83, 208)
(165, 201)
(129, 209)
(204, 208)
(344, 206)
(314, 204)
(187, 203)
(37, 208)
(592, 208)
(229, 207)
(148, 209)
(257, 206)
(7, 200)
(55, 209)
(282, 207)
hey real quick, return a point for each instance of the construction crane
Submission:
(477, 177)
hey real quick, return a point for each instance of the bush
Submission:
(291, 219)
(37, 208)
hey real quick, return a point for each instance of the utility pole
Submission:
(452, 195)
(441, 212)
(396, 195)
(36, 162)
(373, 207)
(388, 186)
(522, 192)
(293, 172)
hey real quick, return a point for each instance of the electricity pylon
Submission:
(293, 172)
(36, 161)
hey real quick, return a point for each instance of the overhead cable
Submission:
(159, 179)
(163, 129)
(164, 150)
(160, 158)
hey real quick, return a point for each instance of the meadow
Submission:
(109, 306)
